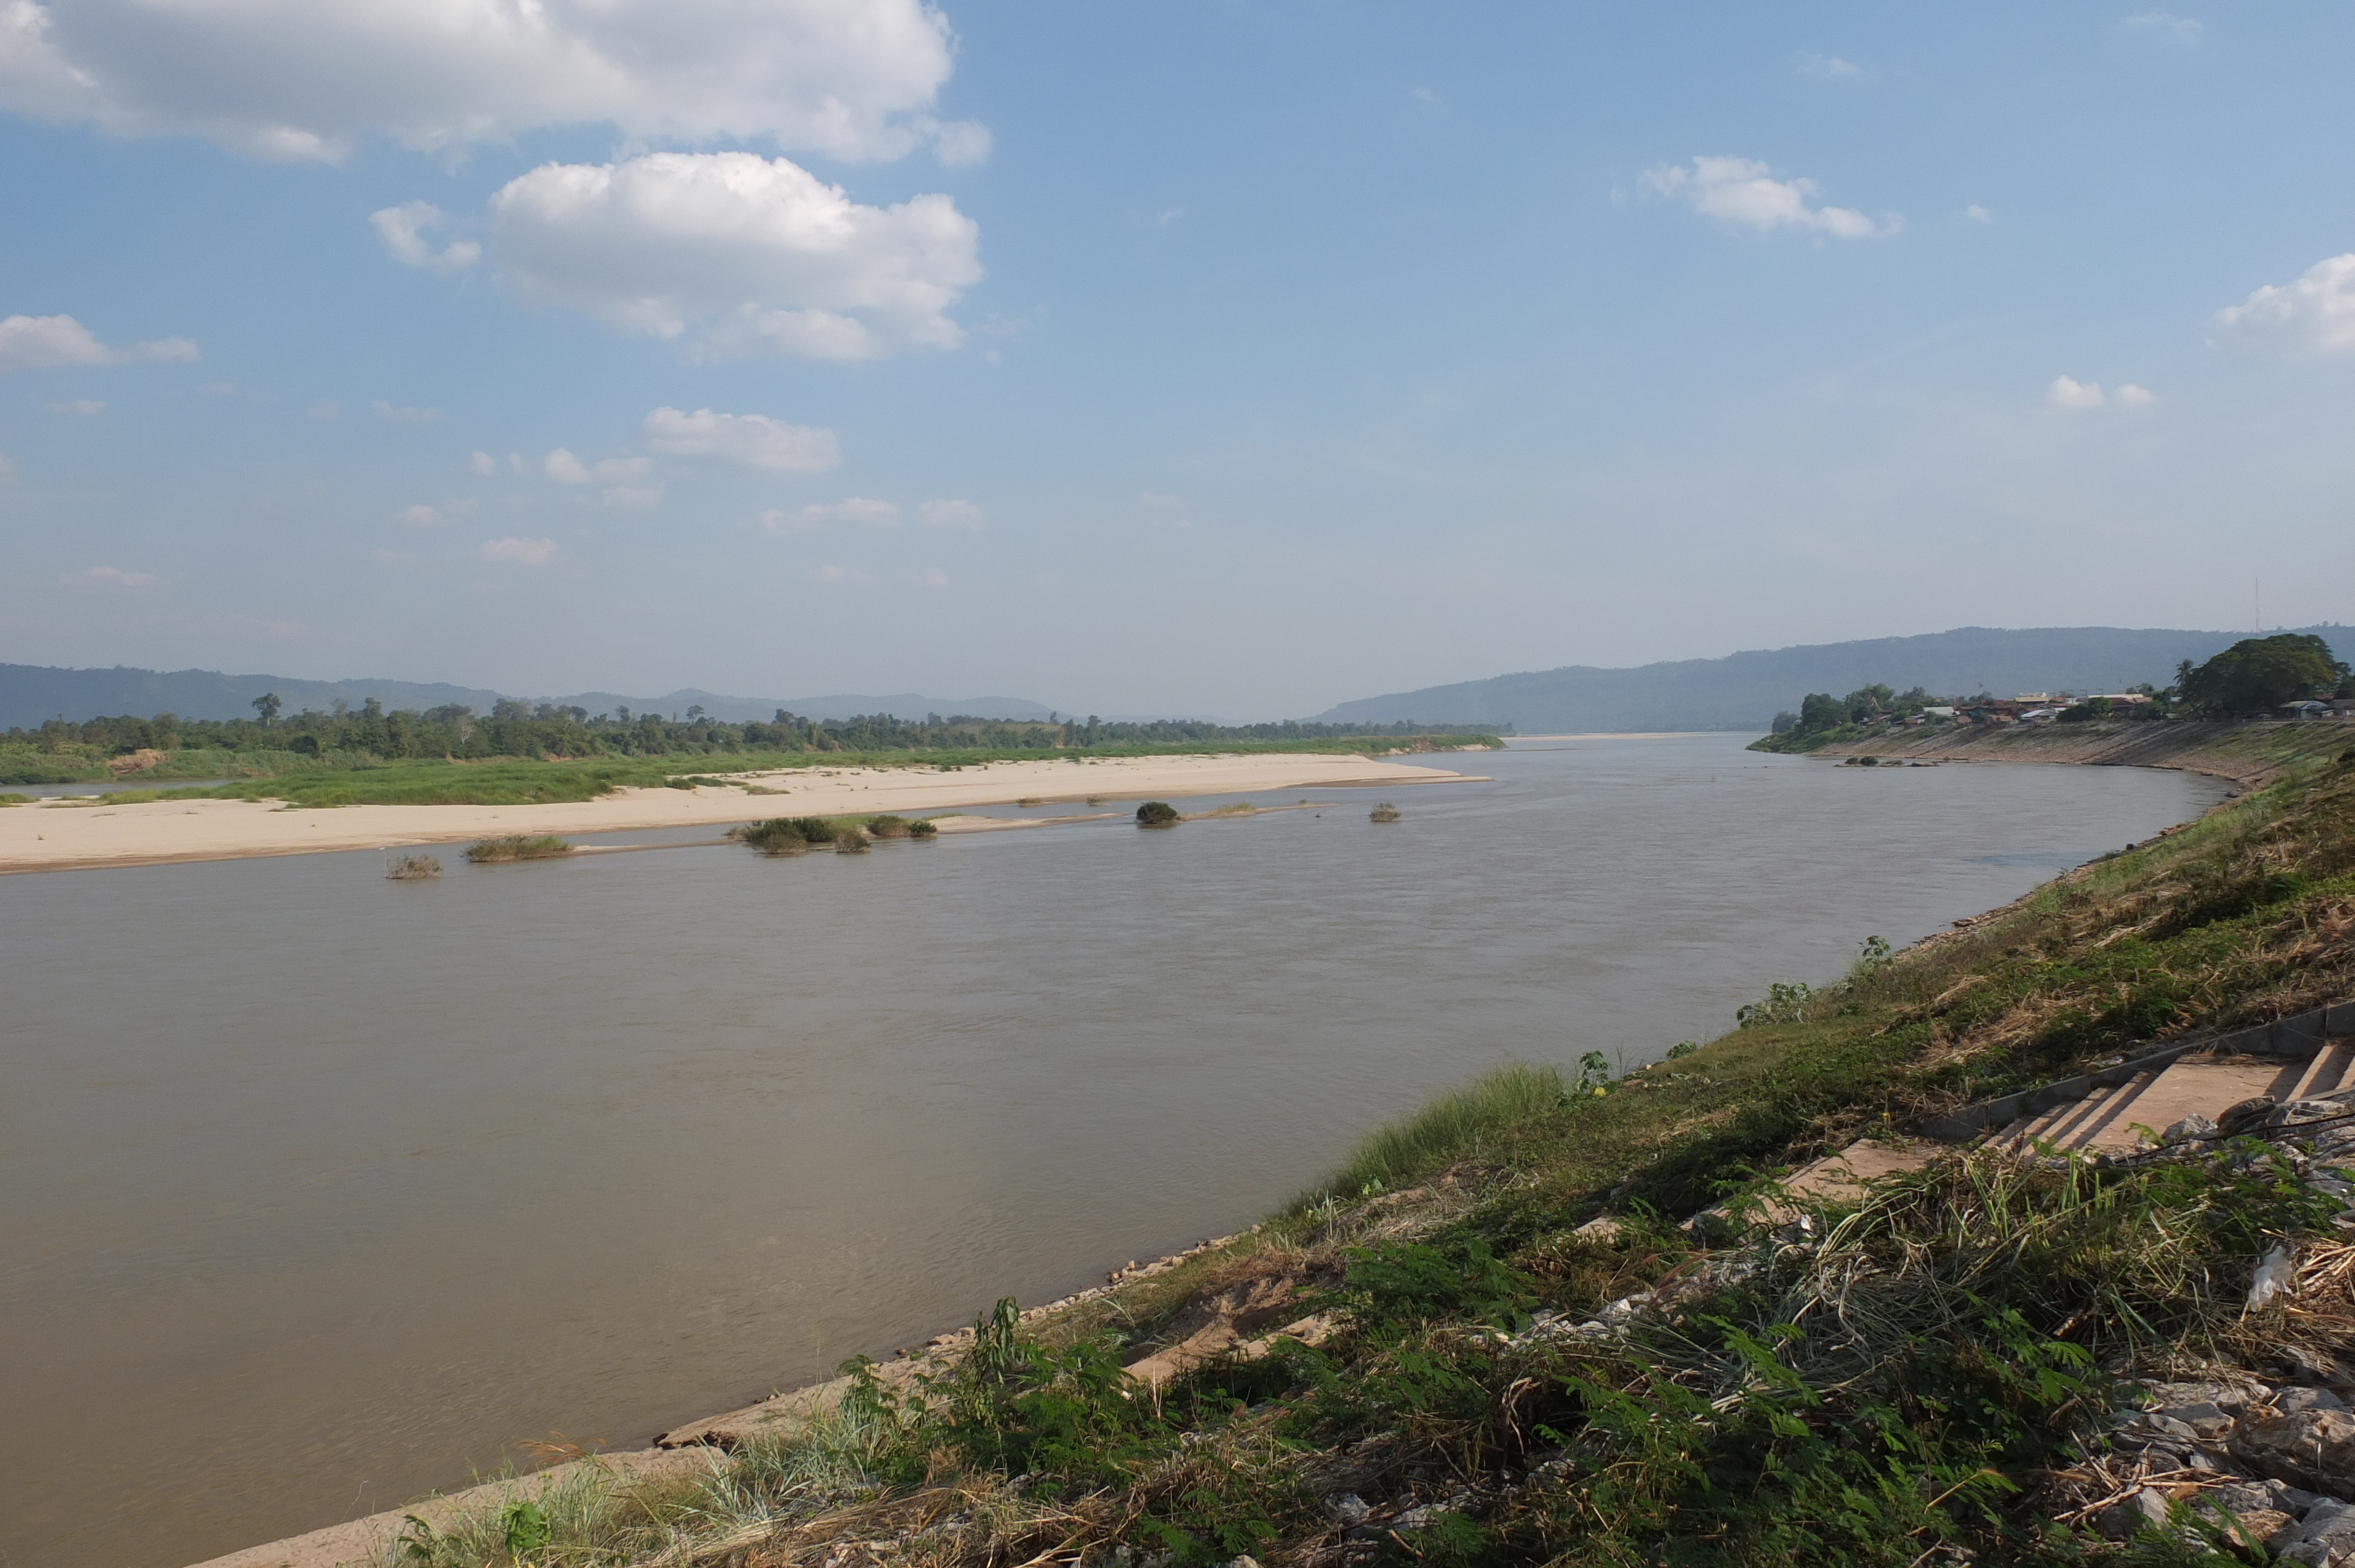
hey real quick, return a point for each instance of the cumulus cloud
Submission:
(518, 552)
(425, 516)
(754, 441)
(113, 577)
(952, 514)
(2168, 26)
(403, 230)
(1742, 193)
(758, 256)
(83, 408)
(484, 464)
(565, 469)
(39, 342)
(303, 81)
(1829, 68)
(400, 416)
(2314, 314)
(620, 477)
(859, 511)
(2068, 393)
(1978, 214)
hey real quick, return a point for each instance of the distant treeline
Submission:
(515, 729)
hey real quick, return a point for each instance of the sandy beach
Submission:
(59, 836)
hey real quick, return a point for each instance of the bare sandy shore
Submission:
(57, 836)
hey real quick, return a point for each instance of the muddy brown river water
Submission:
(319, 1191)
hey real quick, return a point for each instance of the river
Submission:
(324, 1190)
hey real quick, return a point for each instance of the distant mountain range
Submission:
(1745, 690)
(30, 694)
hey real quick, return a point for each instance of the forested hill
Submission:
(31, 694)
(1744, 691)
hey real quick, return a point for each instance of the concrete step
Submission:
(2064, 1124)
(2326, 1074)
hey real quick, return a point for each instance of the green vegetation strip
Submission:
(1915, 1379)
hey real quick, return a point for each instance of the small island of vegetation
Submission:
(1158, 814)
(518, 846)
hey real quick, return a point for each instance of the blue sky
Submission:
(1235, 358)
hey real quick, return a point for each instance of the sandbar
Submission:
(52, 836)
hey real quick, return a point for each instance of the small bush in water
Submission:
(1385, 812)
(413, 868)
(922, 829)
(516, 846)
(1157, 814)
(787, 835)
(852, 841)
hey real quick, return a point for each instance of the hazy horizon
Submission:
(1224, 360)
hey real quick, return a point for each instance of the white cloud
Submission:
(952, 514)
(1742, 193)
(2168, 26)
(83, 406)
(484, 464)
(519, 552)
(565, 469)
(933, 578)
(2134, 396)
(423, 515)
(400, 416)
(403, 230)
(303, 81)
(39, 342)
(2068, 393)
(2316, 314)
(839, 575)
(754, 441)
(758, 255)
(113, 577)
(1829, 68)
(859, 511)
(1978, 214)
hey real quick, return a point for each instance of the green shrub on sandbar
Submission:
(888, 826)
(1158, 814)
(851, 839)
(924, 828)
(516, 846)
(1451, 1127)
(786, 836)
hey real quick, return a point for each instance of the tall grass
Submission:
(1447, 1130)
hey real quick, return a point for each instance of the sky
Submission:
(1226, 359)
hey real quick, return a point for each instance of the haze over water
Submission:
(323, 1189)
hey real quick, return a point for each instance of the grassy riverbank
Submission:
(1902, 1387)
(2250, 753)
(510, 781)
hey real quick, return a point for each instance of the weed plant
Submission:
(413, 868)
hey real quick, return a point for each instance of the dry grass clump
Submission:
(1235, 808)
(518, 846)
(888, 826)
(413, 868)
(1384, 812)
(851, 840)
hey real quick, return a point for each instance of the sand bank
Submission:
(55, 836)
